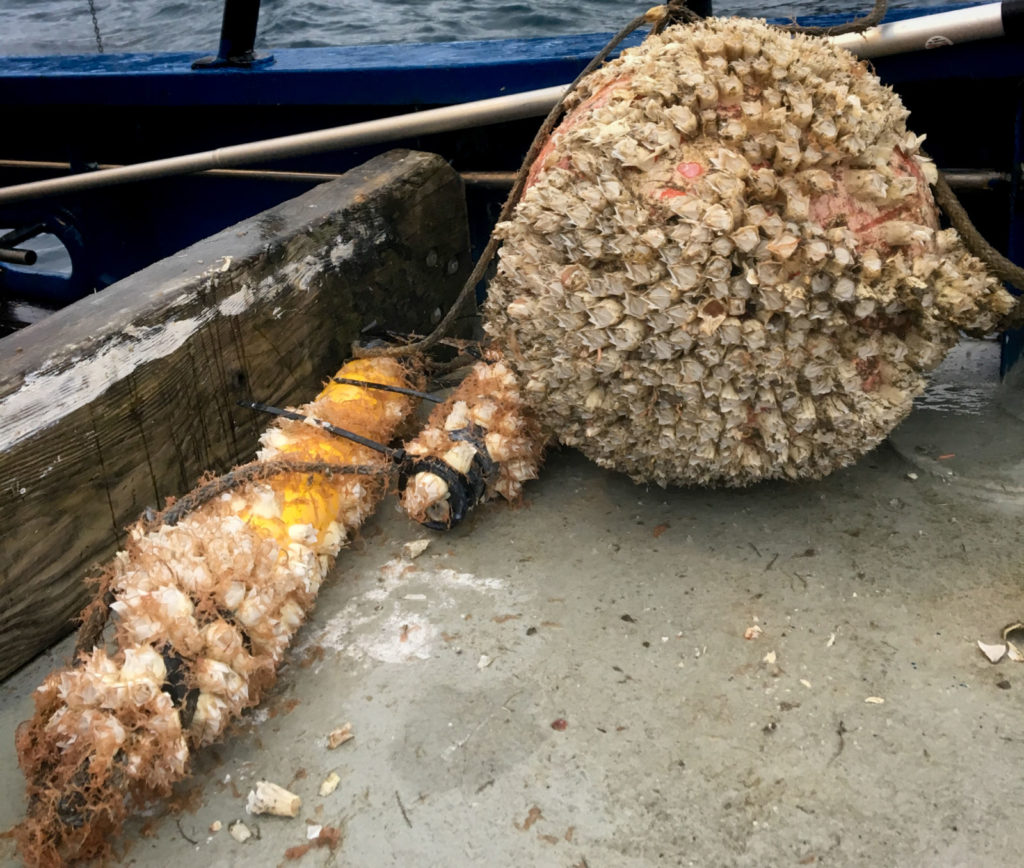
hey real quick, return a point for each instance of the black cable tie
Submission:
(426, 396)
(394, 454)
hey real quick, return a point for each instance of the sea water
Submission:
(67, 26)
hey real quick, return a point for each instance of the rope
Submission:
(94, 622)
(874, 17)
(656, 16)
(255, 471)
(995, 262)
(96, 26)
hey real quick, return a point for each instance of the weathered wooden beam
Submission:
(126, 397)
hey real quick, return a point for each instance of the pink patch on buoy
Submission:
(690, 170)
(866, 218)
(670, 193)
(596, 101)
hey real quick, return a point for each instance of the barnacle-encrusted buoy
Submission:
(727, 264)
(204, 612)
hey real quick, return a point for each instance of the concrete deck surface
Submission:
(568, 684)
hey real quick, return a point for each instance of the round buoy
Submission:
(727, 264)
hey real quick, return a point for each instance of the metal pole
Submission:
(456, 117)
(238, 29)
(700, 7)
(926, 32)
(17, 257)
(237, 37)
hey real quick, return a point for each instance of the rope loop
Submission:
(858, 25)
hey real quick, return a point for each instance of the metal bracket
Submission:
(237, 37)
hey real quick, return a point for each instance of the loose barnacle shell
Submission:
(727, 264)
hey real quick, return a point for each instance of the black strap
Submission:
(393, 454)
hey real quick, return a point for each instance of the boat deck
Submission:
(568, 683)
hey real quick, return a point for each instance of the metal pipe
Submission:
(968, 179)
(243, 174)
(701, 8)
(455, 117)
(17, 236)
(238, 30)
(927, 31)
(237, 38)
(17, 257)
(473, 179)
(489, 180)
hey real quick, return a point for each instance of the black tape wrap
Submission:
(465, 490)
(185, 698)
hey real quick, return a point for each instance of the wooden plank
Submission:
(126, 397)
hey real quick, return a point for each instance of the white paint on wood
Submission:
(49, 394)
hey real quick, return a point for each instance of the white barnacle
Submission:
(784, 246)
(606, 312)
(718, 218)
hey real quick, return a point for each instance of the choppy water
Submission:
(65, 26)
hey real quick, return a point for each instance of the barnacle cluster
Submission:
(483, 440)
(728, 265)
(203, 612)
